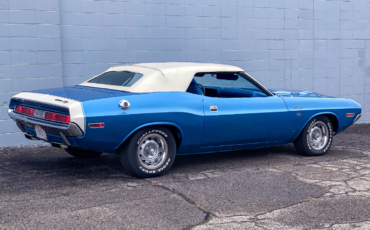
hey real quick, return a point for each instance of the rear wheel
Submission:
(316, 138)
(149, 152)
(82, 153)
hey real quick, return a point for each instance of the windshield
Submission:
(118, 78)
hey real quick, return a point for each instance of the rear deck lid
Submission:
(82, 93)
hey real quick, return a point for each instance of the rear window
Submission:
(118, 78)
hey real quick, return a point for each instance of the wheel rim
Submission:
(318, 135)
(152, 151)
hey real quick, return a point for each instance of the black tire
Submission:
(303, 142)
(83, 153)
(144, 144)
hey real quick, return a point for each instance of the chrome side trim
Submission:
(357, 118)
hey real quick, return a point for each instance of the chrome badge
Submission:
(213, 108)
(125, 105)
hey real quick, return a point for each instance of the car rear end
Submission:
(57, 120)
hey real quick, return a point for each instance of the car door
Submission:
(235, 121)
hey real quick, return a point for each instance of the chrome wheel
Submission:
(152, 151)
(318, 135)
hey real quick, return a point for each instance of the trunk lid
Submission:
(82, 93)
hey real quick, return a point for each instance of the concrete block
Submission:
(101, 19)
(178, 21)
(92, 6)
(6, 85)
(70, 18)
(44, 17)
(277, 13)
(229, 3)
(115, 44)
(291, 4)
(175, 44)
(93, 44)
(193, 10)
(136, 32)
(5, 44)
(49, 57)
(306, 4)
(111, 7)
(24, 57)
(175, 10)
(192, 22)
(22, 71)
(50, 70)
(20, 30)
(174, 33)
(276, 54)
(194, 44)
(211, 11)
(135, 8)
(49, 5)
(194, 33)
(23, 44)
(306, 14)
(261, 13)
(25, 17)
(246, 3)
(135, 20)
(155, 9)
(70, 6)
(156, 21)
(229, 34)
(231, 12)
(115, 32)
(229, 23)
(20, 85)
(21, 5)
(73, 70)
(47, 31)
(306, 54)
(46, 83)
(72, 57)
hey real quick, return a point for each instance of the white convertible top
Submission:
(164, 76)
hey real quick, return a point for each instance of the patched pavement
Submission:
(272, 188)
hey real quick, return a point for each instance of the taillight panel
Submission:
(42, 114)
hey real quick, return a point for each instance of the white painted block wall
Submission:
(319, 45)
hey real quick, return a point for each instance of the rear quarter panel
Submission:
(303, 109)
(183, 110)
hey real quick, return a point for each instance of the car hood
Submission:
(82, 93)
(296, 93)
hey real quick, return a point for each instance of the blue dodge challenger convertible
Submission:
(147, 113)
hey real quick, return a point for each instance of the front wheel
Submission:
(316, 137)
(149, 152)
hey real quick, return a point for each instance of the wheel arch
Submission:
(332, 117)
(174, 129)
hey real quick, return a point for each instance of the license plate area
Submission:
(40, 132)
(39, 114)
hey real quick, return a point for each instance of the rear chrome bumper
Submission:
(70, 130)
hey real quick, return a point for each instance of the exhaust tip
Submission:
(59, 145)
(30, 137)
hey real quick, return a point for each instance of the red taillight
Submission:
(24, 110)
(96, 125)
(19, 109)
(57, 117)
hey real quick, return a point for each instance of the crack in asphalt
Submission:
(208, 215)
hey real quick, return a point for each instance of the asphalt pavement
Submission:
(272, 188)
